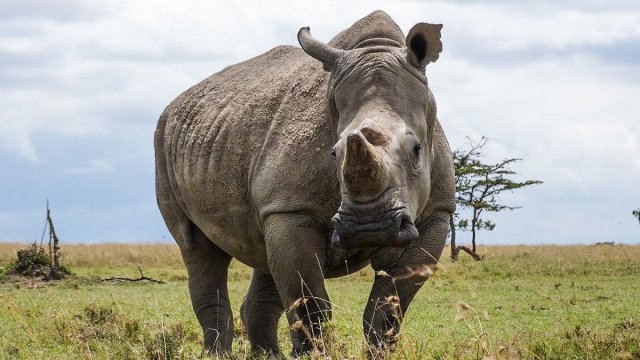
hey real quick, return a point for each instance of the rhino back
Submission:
(251, 140)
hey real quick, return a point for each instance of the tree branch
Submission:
(141, 278)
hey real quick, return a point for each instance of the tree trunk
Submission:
(473, 231)
(454, 251)
(56, 271)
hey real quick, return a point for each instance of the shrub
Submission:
(32, 261)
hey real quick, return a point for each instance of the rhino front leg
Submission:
(207, 267)
(387, 304)
(296, 250)
(260, 312)
(398, 279)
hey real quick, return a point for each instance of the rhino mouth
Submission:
(392, 228)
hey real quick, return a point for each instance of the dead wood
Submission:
(457, 250)
(141, 278)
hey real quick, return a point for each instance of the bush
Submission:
(32, 261)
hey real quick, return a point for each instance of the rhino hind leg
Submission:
(260, 313)
(207, 266)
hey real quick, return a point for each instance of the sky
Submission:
(82, 83)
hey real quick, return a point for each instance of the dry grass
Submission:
(168, 254)
(508, 262)
(108, 254)
(521, 302)
(617, 252)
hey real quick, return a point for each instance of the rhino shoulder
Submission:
(442, 195)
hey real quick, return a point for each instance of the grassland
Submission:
(526, 302)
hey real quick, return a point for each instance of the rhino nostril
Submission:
(416, 150)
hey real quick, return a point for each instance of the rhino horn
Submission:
(365, 174)
(317, 49)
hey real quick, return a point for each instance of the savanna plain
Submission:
(519, 302)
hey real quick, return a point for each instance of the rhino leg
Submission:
(393, 290)
(296, 251)
(383, 314)
(207, 267)
(260, 312)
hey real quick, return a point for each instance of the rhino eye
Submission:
(416, 149)
(333, 152)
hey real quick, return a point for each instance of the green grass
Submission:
(536, 302)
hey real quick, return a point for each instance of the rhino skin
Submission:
(244, 169)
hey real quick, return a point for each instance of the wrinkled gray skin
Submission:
(244, 169)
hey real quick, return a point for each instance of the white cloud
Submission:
(573, 120)
(79, 70)
(15, 139)
(507, 29)
(24, 113)
(93, 166)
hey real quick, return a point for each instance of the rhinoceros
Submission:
(306, 164)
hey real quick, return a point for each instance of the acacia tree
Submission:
(478, 186)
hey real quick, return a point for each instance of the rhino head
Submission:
(384, 115)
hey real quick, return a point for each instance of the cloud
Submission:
(504, 29)
(553, 83)
(25, 113)
(68, 11)
(571, 120)
(94, 166)
(14, 139)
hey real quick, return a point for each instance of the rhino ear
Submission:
(423, 44)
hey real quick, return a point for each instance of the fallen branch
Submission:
(473, 254)
(141, 278)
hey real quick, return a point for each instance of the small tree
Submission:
(477, 188)
(636, 213)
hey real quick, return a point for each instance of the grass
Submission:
(521, 302)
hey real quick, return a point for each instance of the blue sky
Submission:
(82, 83)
